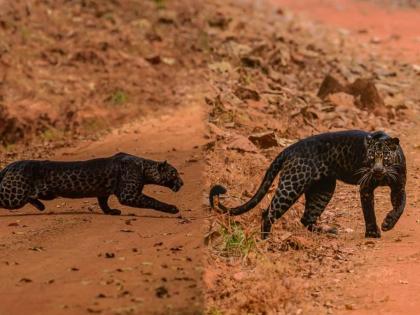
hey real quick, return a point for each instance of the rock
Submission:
(285, 236)
(93, 310)
(109, 255)
(328, 86)
(154, 59)
(25, 280)
(239, 276)
(285, 142)
(241, 144)
(349, 307)
(216, 130)
(341, 99)
(161, 292)
(247, 94)
(264, 140)
(297, 242)
(416, 68)
(168, 61)
(240, 49)
(251, 62)
(375, 40)
(167, 17)
(366, 91)
(219, 20)
(221, 66)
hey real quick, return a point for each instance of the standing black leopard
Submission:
(313, 165)
(123, 175)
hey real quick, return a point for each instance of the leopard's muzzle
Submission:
(177, 185)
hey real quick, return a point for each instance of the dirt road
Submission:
(388, 280)
(72, 259)
(393, 32)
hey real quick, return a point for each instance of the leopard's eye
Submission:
(387, 158)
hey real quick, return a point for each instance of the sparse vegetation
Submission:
(119, 97)
(160, 4)
(52, 134)
(214, 311)
(236, 241)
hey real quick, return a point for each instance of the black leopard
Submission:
(123, 175)
(313, 165)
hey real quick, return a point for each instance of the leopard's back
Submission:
(77, 179)
(26, 180)
(338, 155)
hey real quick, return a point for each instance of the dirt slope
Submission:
(57, 260)
(298, 272)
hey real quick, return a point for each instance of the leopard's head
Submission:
(168, 176)
(382, 156)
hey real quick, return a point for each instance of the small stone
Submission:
(161, 292)
(109, 255)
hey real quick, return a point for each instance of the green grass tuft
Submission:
(214, 311)
(160, 4)
(51, 134)
(236, 241)
(119, 97)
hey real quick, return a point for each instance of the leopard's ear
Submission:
(163, 164)
(393, 143)
(367, 140)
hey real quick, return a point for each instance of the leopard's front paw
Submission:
(173, 209)
(388, 224)
(113, 212)
(373, 233)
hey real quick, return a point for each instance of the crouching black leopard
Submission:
(123, 175)
(313, 165)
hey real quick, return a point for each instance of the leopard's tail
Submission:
(2, 173)
(269, 177)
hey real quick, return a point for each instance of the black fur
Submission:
(216, 191)
(312, 166)
(123, 175)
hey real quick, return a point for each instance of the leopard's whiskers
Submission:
(365, 178)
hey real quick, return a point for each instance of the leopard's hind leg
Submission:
(317, 196)
(13, 196)
(103, 204)
(17, 189)
(293, 181)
